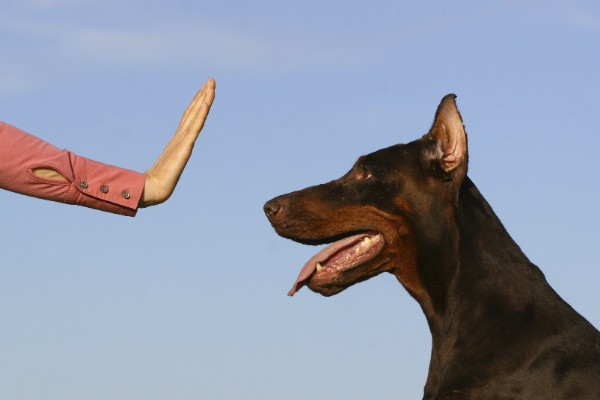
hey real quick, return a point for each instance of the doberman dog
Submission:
(499, 331)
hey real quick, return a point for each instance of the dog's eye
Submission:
(363, 174)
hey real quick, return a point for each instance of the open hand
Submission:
(163, 176)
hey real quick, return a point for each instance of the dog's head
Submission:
(392, 207)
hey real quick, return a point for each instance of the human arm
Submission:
(36, 168)
(33, 167)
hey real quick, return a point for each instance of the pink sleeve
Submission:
(89, 183)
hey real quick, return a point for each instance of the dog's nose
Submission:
(271, 208)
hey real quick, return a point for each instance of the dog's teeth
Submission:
(319, 267)
(367, 240)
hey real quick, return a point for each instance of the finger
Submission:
(178, 149)
(204, 98)
(199, 117)
(183, 130)
(197, 114)
(196, 102)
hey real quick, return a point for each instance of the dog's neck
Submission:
(451, 269)
(498, 284)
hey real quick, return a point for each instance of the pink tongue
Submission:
(322, 256)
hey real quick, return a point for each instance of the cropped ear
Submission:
(447, 139)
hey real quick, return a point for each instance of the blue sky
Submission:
(188, 300)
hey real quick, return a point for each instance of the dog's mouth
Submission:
(329, 265)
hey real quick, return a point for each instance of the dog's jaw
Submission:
(327, 268)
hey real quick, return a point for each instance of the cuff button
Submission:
(104, 189)
(126, 194)
(83, 184)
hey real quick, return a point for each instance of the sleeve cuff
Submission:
(105, 187)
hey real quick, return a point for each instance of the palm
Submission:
(163, 176)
